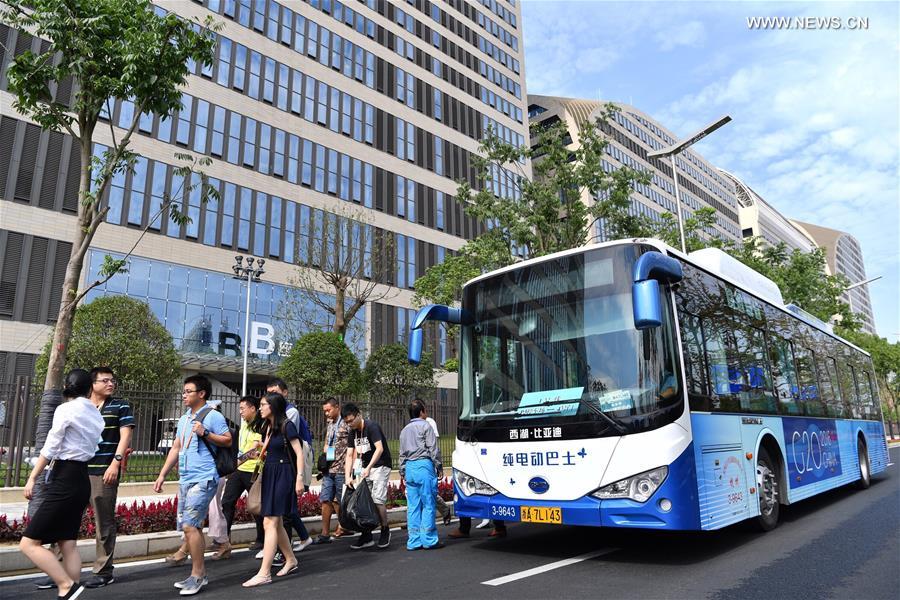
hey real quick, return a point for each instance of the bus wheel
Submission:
(767, 489)
(865, 474)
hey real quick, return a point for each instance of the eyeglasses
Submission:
(106, 380)
(188, 392)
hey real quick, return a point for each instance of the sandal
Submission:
(177, 558)
(287, 569)
(257, 580)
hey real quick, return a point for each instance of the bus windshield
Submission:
(555, 345)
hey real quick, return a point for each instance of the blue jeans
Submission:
(421, 488)
(193, 502)
(332, 486)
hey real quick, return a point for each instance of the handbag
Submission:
(254, 496)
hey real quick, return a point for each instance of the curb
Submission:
(146, 545)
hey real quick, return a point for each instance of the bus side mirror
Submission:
(645, 304)
(414, 352)
(433, 312)
(649, 270)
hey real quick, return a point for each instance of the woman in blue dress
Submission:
(282, 482)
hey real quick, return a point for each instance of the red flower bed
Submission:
(143, 517)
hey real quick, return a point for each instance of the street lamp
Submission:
(859, 283)
(672, 151)
(252, 274)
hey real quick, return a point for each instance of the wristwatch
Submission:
(118, 457)
(205, 434)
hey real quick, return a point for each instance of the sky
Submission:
(815, 129)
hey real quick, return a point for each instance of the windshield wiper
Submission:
(615, 424)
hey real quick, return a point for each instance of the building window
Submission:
(439, 213)
(136, 201)
(438, 155)
(438, 104)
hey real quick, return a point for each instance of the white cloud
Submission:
(690, 34)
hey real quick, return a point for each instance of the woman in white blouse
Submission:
(71, 443)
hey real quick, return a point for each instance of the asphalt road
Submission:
(844, 544)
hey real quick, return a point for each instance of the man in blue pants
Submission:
(420, 462)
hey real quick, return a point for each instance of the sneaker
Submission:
(365, 541)
(457, 534)
(497, 533)
(484, 523)
(323, 539)
(98, 581)
(384, 538)
(300, 545)
(45, 583)
(74, 592)
(255, 547)
(278, 560)
(182, 584)
(259, 555)
(437, 546)
(193, 585)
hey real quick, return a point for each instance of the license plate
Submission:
(541, 514)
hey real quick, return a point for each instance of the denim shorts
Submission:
(193, 502)
(332, 486)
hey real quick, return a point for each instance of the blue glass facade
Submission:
(198, 306)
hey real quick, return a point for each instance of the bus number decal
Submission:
(813, 452)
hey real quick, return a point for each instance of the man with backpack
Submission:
(200, 429)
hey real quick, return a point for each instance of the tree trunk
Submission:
(340, 321)
(62, 333)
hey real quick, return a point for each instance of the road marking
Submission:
(550, 567)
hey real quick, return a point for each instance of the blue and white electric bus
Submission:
(629, 385)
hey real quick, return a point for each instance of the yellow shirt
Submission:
(246, 439)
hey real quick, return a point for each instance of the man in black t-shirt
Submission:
(369, 457)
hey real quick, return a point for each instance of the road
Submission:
(843, 544)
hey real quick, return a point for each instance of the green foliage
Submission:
(321, 364)
(801, 278)
(451, 365)
(121, 333)
(886, 359)
(389, 376)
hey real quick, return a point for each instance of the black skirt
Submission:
(58, 518)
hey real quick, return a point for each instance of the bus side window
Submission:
(856, 408)
(810, 396)
(872, 406)
(692, 339)
(836, 407)
(784, 376)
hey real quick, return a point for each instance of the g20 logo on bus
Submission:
(813, 451)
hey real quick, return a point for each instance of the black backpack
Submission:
(226, 458)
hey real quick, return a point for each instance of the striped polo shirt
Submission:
(116, 413)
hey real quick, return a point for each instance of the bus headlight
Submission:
(637, 487)
(470, 485)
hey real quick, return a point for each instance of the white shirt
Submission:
(75, 435)
(433, 424)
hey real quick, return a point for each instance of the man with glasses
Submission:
(105, 470)
(198, 428)
(368, 457)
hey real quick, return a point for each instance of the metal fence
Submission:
(156, 415)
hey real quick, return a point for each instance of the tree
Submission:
(339, 275)
(108, 49)
(801, 278)
(322, 365)
(123, 334)
(389, 377)
(555, 210)
(886, 360)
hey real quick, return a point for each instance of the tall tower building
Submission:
(843, 255)
(631, 135)
(372, 108)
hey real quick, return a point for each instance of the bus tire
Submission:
(767, 491)
(865, 470)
